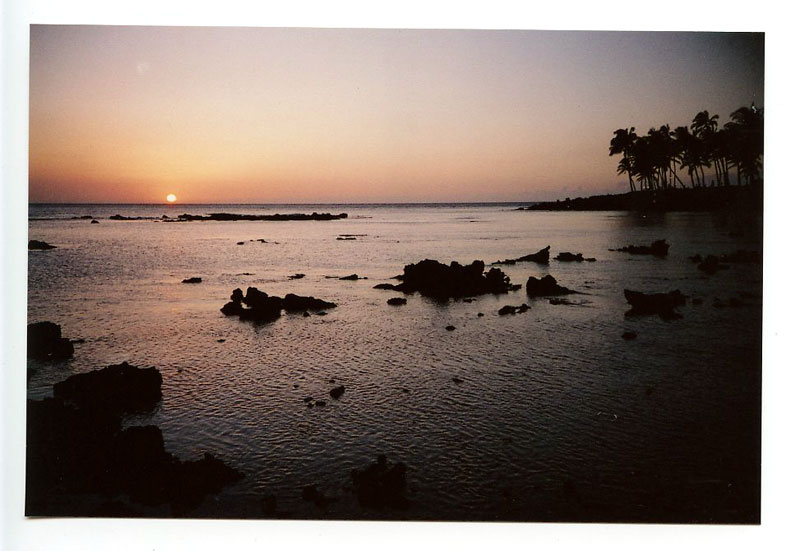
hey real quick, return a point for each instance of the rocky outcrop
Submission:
(77, 450)
(34, 245)
(228, 217)
(660, 247)
(381, 485)
(573, 257)
(661, 304)
(545, 287)
(441, 281)
(46, 343)
(540, 257)
(258, 306)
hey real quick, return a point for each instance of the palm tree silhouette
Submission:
(622, 142)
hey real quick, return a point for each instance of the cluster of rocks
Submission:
(659, 247)
(545, 287)
(46, 343)
(662, 304)
(540, 257)
(260, 307)
(34, 245)
(573, 257)
(228, 217)
(509, 309)
(76, 446)
(441, 281)
(120, 217)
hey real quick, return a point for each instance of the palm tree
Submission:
(746, 137)
(622, 142)
(704, 126)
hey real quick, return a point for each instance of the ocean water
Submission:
(557, 418)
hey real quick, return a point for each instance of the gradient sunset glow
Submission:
(215, 115)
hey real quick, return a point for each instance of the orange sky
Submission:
(129, 114)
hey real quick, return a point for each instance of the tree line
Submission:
(654, 160)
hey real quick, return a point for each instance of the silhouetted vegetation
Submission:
(655, 159)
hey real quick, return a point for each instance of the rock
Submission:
(629, 335)
(46, 343)
(193, 280)
(228, 217)
(434, 279)
(384, 286)
(381, 485)
(351, 277)
(345, 239)
(34, 245)
(337, 392)
(506, 310)
(263, 307)
(295, 303)
(240, 242)
(320, 403)
(450, 328)
(657, 248)
(308, 399)
(220, 340)
(480, 314)
(116, 389)
(570, 257)
(94, 222)
(662, 304)
(396, 301)
(120, 217)
(540, 257)
(297, 276)
(545, 287)
(322, 313)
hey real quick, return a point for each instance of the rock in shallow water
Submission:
(441, 281)
(46, 343)
(545, 287)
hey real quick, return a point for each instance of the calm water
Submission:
(558, 417)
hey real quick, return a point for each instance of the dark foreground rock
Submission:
(337, 392)
(396, 301)
(46, 343)
(79, 460)
(34, 245)
(662, 304)
(260, 307)
(381, 485)
(193, 280)
(540, 257)
(351, 277)
(659, 247)
(545, 287)
(228, 217)
(441, 281)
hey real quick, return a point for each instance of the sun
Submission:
(171, 198)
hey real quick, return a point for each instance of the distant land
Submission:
(691, 199)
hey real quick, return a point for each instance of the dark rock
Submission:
(381, 485)
(385, 286)
(46, 343)
(228, 217)
(220, 340)
(337, 392)
(662, 304)
(629, 335)
(116, 389)
(570, 257)
(120, 217)
(240, 242)
(297, 276)
(480, 314)
(320, 403)
(545, 287)
(657, 248)
(193, 280)
(434, 279)
(295, 303)
(94, 222)
(77, 341)
(351, 277)
(540, 257)
(468, 300)
(308, 399)
(345, 239)
(508, 309)
(322, 313)
(450, 328)
(34, 245)
(396, 301)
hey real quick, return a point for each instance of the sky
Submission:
(301, 115)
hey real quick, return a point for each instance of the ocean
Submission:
(556, 417)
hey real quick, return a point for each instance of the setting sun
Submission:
(171, 198)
